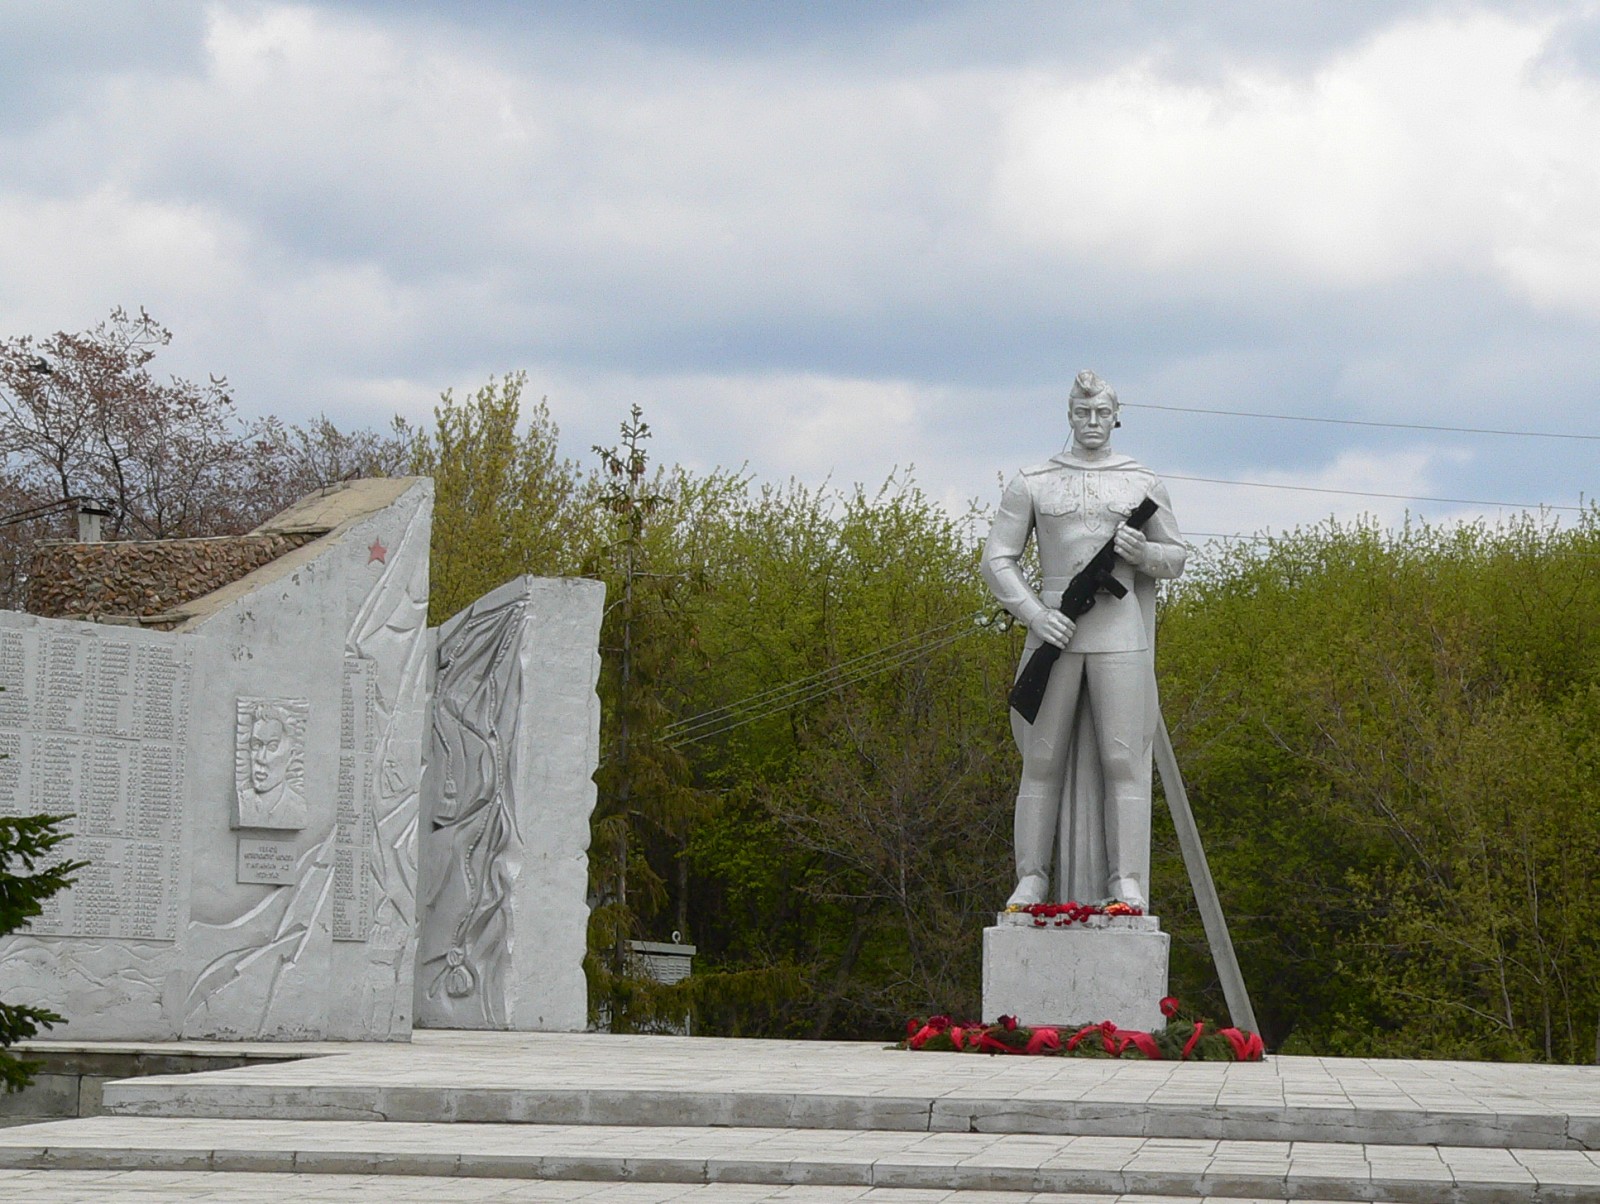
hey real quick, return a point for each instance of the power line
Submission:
(781, 697)
(892, 661)
(821, 690)
(1567, 554)
(800, 684)
(1402, 497)
(1401, 426)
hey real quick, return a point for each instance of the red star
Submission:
(377, 552)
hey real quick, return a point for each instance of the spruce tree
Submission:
(26, 843)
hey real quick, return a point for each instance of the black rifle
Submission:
(1027, 693)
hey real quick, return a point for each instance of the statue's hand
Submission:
(1053, 627)
(1131, 545)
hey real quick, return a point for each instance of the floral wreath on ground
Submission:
(1187, 1040)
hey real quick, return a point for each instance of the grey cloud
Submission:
(51, 53)
(805, 194)
(929, 32)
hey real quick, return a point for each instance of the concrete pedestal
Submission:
(1110, 968)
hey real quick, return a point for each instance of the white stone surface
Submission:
(138, 733)
(1075, 975)
(507, 795)
(262, 1187)
(1017, 1162)
(1021, 919)
(602, 1078)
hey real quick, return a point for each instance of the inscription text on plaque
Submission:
(95, 726)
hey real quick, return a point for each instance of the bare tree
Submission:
(81, 415)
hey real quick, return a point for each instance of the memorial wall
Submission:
(245, 787)
(507, 793)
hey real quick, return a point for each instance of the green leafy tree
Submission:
(28, 877)
(644, 549)
(504, 498)
(1390, 741)
(851, 730)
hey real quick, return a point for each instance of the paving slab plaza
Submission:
(457, 1116)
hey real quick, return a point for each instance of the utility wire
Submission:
(1400, 426)
(1269, 539)
(1403, 497)
(719, 713)
(821, 690)
(781, 694)
(894, 661)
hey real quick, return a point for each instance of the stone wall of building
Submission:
(144, 578)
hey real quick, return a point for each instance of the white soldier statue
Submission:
(1086, 764)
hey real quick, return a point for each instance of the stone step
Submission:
(244, 1187)
(605, 1079)
(841, 1157)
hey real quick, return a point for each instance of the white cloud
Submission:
(1441, 143)
(654, 191)
(838, 264)
(61, 255)
(804, 425)
(1209, 509)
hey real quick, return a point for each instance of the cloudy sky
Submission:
(840, 238)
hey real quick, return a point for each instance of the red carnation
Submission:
(1169, 1006)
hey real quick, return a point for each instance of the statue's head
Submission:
(1091, 411)
(273, 732)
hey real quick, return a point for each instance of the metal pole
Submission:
(1205, 890)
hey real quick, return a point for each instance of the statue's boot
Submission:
(1035, 834)
(1130, 892)
(1032, 889)
(1128, 847)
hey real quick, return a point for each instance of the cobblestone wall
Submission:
(140, 579)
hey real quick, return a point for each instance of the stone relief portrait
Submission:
(269, 763)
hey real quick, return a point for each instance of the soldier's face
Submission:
(269, 755)
(1092, 419)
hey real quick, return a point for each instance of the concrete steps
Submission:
(1153, 1118)
(641, 1081)
(202, 1187)
(642, 1119)
(968, 1162)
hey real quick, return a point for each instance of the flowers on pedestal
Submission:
(1060, 915)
